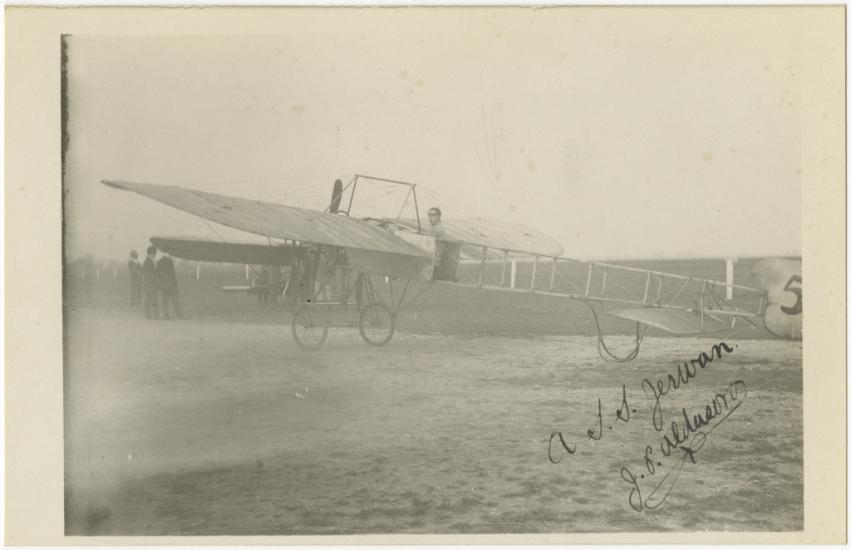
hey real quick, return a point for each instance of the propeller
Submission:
(336, 196)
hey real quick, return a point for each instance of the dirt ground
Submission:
(221, 425)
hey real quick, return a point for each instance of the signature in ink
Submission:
(689, 437)
(622, 414)
(685, 372)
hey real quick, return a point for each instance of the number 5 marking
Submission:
(799, 305)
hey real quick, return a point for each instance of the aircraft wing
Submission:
(675, 321)
(276, 220)
(201, 250)
(496, 236)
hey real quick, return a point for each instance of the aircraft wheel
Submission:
(377, 324)
(310, 328)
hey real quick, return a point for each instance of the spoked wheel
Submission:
(310, 328)
(377, 324)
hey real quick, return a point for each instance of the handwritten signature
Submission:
(714, 414)
(687, 435)
(685, 372)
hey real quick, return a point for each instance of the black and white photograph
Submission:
(456, 271)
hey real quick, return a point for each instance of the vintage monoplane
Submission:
(335, 258)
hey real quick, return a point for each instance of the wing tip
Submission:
(113, 183)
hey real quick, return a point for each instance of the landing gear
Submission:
(377, 310)
(377, 324)
(603, 350)
(310, 327)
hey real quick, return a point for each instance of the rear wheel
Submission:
(377, 324)
(310, 328)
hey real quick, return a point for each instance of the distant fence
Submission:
(232, 273)
(518, 273)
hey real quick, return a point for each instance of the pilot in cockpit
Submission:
(446, 254)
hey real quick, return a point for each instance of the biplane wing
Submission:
(675, 321)
(371, 249)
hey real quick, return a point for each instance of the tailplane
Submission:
(781, 279)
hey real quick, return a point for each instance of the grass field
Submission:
(220, 424)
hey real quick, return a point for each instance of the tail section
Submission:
(781, 279)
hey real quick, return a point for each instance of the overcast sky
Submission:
(622, 133)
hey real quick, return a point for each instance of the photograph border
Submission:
(34, 327)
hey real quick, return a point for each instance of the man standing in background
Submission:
(275, 283)
(168, 287)
(149, 284)
(135, 269)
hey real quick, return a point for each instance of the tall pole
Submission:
(730, 275)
